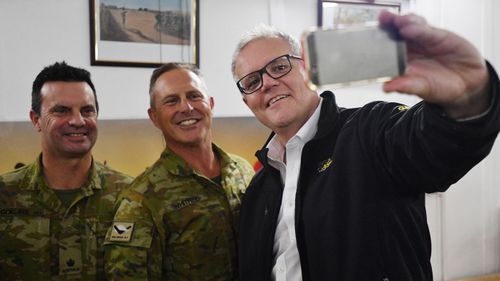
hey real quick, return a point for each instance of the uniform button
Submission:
(290, 204)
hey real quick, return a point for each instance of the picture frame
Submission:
(339, 14)
(144, 33)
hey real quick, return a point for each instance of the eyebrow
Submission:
(62, 106)
(58, 106)
(169, 97)
(195, 92)
(88, 106)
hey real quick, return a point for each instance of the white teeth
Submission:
(76, 134)
(275, 99)
(188, 122)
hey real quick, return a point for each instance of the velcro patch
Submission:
(122, 231)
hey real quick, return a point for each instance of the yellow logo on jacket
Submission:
(324, 165)
(403, 107)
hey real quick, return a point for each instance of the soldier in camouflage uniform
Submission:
(178, 220)
(54, 213)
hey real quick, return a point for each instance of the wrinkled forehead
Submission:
(256, 54)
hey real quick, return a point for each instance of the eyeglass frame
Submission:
(264, 70)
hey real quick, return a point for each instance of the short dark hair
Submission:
(166, 68)
(59, 71)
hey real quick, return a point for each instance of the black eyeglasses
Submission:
(276, 68)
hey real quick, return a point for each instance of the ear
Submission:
(153, 116)
(212, 102)
(303, 72)
(35, 119)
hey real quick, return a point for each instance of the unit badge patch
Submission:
(122, 231)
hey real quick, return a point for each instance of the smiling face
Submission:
(282, 104)
(67, 120)
(181, 109)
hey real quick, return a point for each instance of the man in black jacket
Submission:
(341, 192)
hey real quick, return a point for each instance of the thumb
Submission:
(412, 85)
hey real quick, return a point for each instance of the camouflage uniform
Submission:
(176, 224)
(40, 239)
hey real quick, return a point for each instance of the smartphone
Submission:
(352, 56)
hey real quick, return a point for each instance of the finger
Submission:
(386, 18)
(415, 29)
(410, 27)
(405, 84)
(409, 19)
(413, 81)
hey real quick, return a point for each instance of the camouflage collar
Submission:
(177, 166)
(34, 177)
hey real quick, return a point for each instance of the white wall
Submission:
(38, 33)
(465, 222)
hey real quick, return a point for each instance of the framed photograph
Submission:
(338, 14)
(144, 33)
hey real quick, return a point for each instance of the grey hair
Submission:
(169, 67)
(263, 31)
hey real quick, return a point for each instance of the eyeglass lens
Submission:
(277, 68)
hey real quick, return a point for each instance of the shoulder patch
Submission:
(121, 231)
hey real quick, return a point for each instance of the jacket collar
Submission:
(328, 116)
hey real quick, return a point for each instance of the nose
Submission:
(76, 119)
(186, 106)
(268, 82)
